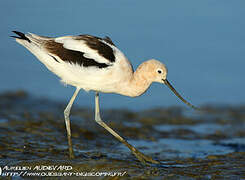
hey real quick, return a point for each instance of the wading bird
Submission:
(92, 63)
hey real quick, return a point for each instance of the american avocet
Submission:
(93, 63)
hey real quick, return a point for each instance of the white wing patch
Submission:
(80, 45)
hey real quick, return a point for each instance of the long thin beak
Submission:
(178, 95)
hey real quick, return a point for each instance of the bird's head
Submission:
(157, 72)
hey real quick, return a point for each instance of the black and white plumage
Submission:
(82, 61)
(93, 63)
(104, 48)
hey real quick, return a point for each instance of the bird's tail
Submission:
(30, 39)
(34, 43)
(21, 36)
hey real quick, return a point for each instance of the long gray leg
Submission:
(67, 121)
(142, 158)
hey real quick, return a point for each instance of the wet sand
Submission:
(189, 145)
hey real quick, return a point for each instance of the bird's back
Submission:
(84, 61)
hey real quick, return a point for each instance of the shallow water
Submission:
(199, 146)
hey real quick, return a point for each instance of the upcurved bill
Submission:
(178, 95)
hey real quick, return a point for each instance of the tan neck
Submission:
(138, 84)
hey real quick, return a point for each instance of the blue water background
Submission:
(201, 42)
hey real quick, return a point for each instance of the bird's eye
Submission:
(159, 71)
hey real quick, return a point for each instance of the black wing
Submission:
(80, 57)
